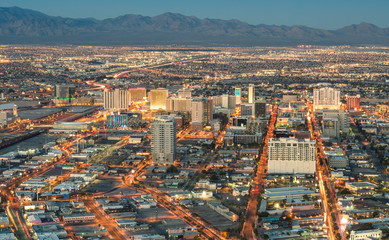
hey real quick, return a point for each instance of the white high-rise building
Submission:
(291, 156)
(163, 147)
(326, 98)
(251, 94)
(117, 99)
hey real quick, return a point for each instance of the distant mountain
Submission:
(24, 26)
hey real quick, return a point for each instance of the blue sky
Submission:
(327, 14)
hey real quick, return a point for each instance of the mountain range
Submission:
(24, 26)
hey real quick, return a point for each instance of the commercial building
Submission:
(260, 108)
(326, 98)
(64, 93)
(291, 156)
(163, 147)
(158, 98)
(251, 94)
(247, 109)
(353, 102)
(202, 110)
(238, 95)
(256, 125)
(70, 126)
(365, 234)
(117, 99)
(179, 104)
(225, 101)
(334, 122)
(137, 94)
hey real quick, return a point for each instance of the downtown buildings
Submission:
(163, 148)
(117, 99)
(291, 156)
(326, 98)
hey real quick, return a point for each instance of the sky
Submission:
(325, 14)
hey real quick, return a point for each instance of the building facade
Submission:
(137, 94)
(163, 147)
(251, 94)
(353, 102)
(117, 99)
(326, 98)
(158, 98)
(291, 156)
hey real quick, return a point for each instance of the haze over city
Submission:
(153, 120)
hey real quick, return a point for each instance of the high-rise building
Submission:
(158, 98)
(117, 99)
(137, 94)
(326, 98)
(353, 102)
(163, 133)
(291, 156)
(184, 93)
(334, 122)
(238, 95)
(64, 93)
(247, 109)
(251, 94)
(202, 110)
(179, 104)
(260, 108)
(225, 101)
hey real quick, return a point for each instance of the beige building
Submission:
(117, 99)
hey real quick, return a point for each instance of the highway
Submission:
(258, 181)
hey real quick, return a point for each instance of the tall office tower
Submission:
(137, 94)
(353, 102)
(163, 134)
(251, 95)
(247, 109)
(238, 95)
(291, 156)
(179, 104)
(326, 98)
(184, 93)
(64, 93)
(158, 98)
(260, 108)
(117, 99)
(202, 110)
(335, 122)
